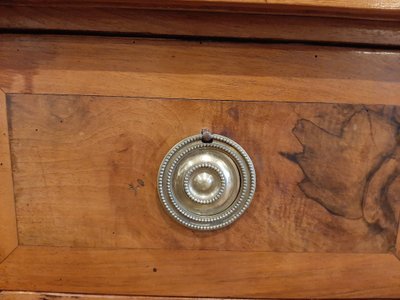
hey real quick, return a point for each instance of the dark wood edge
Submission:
(200, 25)
(386, 10)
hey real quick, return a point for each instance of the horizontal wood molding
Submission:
(201, 273)
(353, 8)
(200, 24)
(8, 227)
(15, 295)
(178, 69)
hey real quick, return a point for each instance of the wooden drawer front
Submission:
(80, 212)
(85, 172)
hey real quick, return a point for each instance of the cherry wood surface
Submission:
(206, 25)
(397, 250)
(202, 273)
(15, 295)
(197, 70)
(79, 134)
(8, 229)
(85, 171)
(349, 8)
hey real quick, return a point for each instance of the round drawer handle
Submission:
(206, 181)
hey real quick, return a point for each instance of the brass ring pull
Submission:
(206, 181)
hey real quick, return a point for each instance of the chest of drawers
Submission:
(94, 95)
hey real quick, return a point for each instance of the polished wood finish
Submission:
(12, 295)
(202, 273)
(177, 69)
(198, 25)
(397, 249)
(349, 8)
(8, 228)
(78, 162)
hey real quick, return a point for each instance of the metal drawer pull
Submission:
(206, 181)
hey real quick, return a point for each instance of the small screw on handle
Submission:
(206, 136)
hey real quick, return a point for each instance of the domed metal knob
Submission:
(206, 181)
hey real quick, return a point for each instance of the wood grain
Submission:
(202, 273)
(359, 4)
(12, 295)
(353, 8)
(78, 162)
(8, 228)
(397, 249)
(201, 24)
(176, 69)
(77, 158)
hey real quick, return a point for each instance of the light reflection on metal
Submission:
(206, 181)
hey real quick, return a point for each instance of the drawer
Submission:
(87, 122)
